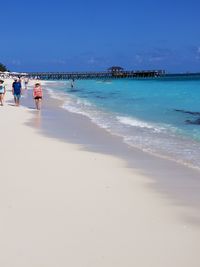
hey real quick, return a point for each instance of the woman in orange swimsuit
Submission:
(37, 95)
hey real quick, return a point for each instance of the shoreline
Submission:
(179, 147)
(91, 137)
(150, 153)
(69, 203)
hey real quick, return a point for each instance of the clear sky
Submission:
(94, 35)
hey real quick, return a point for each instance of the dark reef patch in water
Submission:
(193, 113)
(188, 112)
(101, 97)
(196, 122)
(74, 90)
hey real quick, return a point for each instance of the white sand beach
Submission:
(61, 205)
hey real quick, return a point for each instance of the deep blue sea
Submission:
(156, 115)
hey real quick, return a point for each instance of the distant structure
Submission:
(114, 72)
(111, 73)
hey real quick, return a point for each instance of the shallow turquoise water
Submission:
(143, 112)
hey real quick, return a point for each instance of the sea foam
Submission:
(139, 123)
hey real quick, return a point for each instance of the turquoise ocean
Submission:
(160, 116)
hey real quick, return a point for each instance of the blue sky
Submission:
(93, 35)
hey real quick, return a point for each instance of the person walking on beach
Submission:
(72, 83)
(26, 80)
(37, 95)
(2, 92)
(17, 91)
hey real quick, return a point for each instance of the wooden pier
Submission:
(95, 75)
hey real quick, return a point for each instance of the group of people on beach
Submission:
(17, 92)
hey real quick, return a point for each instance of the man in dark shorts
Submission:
(17, 91)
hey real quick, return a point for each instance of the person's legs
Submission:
(1, 99)
(3, 96)
(15, 99)
(39, 103)
(36, 103)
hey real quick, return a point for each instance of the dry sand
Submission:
(61, 206)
